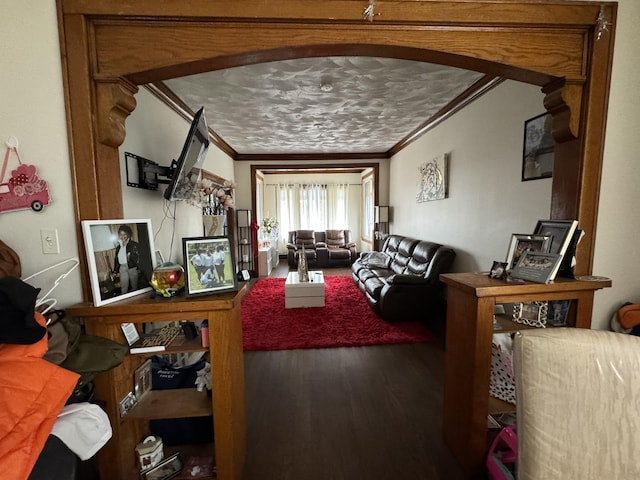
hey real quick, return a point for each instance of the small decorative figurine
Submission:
(303, 272)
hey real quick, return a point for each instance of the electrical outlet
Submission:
(49, 237)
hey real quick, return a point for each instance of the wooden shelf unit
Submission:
(117, 459)
(471, 300)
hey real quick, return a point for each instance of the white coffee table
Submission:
(304, 294)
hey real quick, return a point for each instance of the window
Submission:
(367, 209)
(313, 207)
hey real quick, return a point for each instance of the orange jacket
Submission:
(32, 393)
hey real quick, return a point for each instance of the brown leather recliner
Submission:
(340, 250)
(327, 248)
(298, 238)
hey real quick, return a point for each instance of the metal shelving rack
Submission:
(244, 241)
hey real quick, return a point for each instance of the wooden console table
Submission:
(471, 299)
(117, 459)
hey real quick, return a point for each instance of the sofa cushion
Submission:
(305, 237)
(404, 251)
(335, 238)
(421, 258)
(373, 286)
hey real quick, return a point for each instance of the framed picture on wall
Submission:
(121, 258)
(537, 154)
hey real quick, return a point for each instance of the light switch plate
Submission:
(49, 237)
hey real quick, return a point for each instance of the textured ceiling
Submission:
(327, 105)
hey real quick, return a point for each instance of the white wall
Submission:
(487, 200)
(33, 110)
(157, 133)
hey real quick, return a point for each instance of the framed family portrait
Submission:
(537, 267)
(521, 242)
(560, 231)
(537, 155)
(121, 258)
(209, 265)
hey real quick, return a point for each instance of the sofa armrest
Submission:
(402, 279)
(291, 246)
(320, 245)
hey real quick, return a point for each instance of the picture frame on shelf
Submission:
(521, 242)
(537, 267)
(142, 380)
(498, 270)
(110, 279)
(561, 232)
(166, 469)
(558, 311)
(532, 314)
(537, 151)
(209, 265)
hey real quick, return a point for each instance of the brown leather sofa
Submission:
(401, 281)
(328, 248)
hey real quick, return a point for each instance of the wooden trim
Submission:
(163, 93)
(538, 42)
(471, 94)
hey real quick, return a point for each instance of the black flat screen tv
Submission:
(192, 155)
(145, 173)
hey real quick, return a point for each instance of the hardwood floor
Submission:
(370, 413)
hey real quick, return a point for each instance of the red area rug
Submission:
(346, 320)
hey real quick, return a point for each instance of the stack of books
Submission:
(156, 341)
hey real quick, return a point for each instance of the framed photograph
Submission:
(168, 468)
(209, 265)
(521, 242)
(142, 379)
(127, 403)
(558, 312)
(537, 155)
(498, 270)
(121, 258)
(537, 267)
(560, 231)
(533, 314)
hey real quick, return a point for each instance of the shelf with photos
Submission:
(541, 255)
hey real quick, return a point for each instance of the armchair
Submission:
(298, 238)
(578, 411)
(340, 250)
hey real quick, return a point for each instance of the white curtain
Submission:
(312, 207)
(337, 207)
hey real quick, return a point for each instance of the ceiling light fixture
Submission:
(326, 86)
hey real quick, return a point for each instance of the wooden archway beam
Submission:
(104, 43)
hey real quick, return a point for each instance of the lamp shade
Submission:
(243, 218)
(381, 214)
